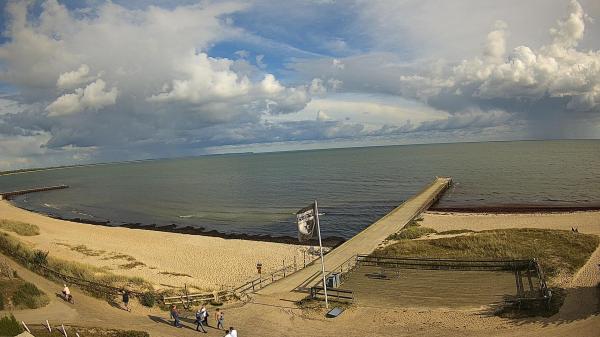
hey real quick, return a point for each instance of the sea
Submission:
(258, 194)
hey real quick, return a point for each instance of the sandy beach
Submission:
(164, 259)
(586, 222)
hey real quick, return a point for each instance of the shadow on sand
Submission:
(579, 304)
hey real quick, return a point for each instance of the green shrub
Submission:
(148, 299)
(40, 257)
(412, 232)
(29, 296)
(9, 326)
(1, 302)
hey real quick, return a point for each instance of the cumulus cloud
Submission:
(74, 78)
(557, 70)
(94, 97)
(147, 72)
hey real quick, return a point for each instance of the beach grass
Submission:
(18, 294)
(411, 232)
(9, 326)
(28, 257)
(28, 296)
(20, 228)
(557, 251)
(456, 231)
(41, 331)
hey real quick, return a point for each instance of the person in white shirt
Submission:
(232, 331)
(227, 334)
(66, 292)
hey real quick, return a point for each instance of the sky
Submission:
(99, 81)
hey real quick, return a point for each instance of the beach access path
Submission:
(362, 243)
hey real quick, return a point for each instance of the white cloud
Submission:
(74, 78)
(93, 97)
(555, 70)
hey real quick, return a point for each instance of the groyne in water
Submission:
(8, 195)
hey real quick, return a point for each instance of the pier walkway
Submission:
(364, 242)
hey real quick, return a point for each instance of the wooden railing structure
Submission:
(522, 268)
(248, 287)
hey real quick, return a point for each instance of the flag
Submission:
(306, 222)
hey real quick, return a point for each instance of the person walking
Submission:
(220, 318)
(66, 292)
(199, 320)
(175, 316)
(205, 315)
(232, 331)
(126, 299)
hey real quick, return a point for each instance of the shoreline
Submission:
(515, 209)
(329, 241)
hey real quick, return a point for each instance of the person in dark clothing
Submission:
(126, 300)
(175, 316)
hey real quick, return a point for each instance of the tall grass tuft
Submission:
(21, 228)
(29, 296)
(9, 326)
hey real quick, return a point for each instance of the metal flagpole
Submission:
(321, 247)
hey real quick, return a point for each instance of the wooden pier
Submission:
(8, 195)
(364, 242)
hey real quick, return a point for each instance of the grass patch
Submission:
(18, 294)
(556, 250)
(21, 228)
(83, 249)
(119, 257)
(9, 326)
(132, 265)
(40, 331)
(29, 296)
(411, 232)
(174, 274)
(456, 231)
(26, 256)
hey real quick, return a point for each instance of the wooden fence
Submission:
(335, 294)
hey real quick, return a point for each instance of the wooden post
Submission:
(48, 326)
(25, 326)
(283, 264)
(304, 256)
(64, 330)
(529, 279)
(295, 265)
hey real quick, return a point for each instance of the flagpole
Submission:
(321, 248)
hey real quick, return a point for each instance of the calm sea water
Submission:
(259, 193)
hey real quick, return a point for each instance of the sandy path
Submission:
(586, 222)
(207, 262)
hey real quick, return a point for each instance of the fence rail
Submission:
(444, 264)
(333, 293)
(264, 280)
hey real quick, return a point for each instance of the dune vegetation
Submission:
(558, 251)
(20, 228)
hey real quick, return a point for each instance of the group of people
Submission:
(202, 320)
